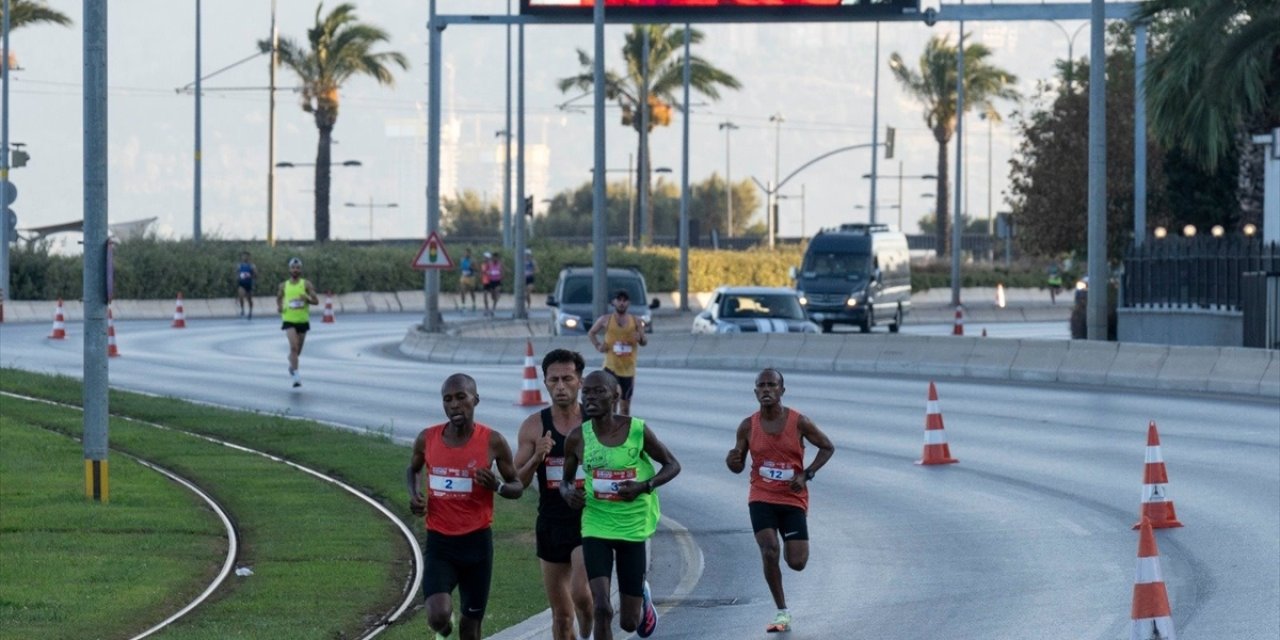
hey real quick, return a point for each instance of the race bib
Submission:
(776, 471)
(245, 275)
(449, 483)
(621, 349)
(555, 473)
(604, 482)
(296, 304)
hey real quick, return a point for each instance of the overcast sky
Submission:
(818, 76)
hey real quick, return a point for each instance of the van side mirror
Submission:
(878, 275)
(655, 303)
(551, 300)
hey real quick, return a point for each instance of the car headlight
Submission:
(851, 302)
(804, 300)
(570, 321)
(728, 327)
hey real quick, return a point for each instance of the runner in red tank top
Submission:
(779, 497)
(458, 457)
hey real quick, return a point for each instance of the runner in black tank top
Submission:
(540, 452)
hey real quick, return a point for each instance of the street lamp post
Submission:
(899, 176)
(728, 128)
(1071, 43)
(371, 205)
(800, 197)
(631, 201)
(284, 164)
(771, 217)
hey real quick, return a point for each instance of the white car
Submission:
(754, 310)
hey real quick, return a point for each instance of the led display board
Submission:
(679, 10)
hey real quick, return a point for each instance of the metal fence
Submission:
(1194, 272)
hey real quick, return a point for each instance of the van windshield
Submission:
(835, 264)
(577, 290)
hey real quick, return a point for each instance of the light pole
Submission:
(727, 127)
(631, 201)
(783, 196)
(899, 176)
(284, 164)
(371, 205)
(771, 190)
(1071, 43)
(875, 123)
(771, 217)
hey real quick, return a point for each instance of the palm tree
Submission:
(934, 85)
(29, 12)
(666, 78)
(24, 13)
(1215, 76)
(339, 48)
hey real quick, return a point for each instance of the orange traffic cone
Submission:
(59, 324)
(1156, 505)
(1151, 618)
(1000, 302)
(936, 450)
(179, 316)
(958, 328)
(328, 308)
(112, 351)
(530, 395)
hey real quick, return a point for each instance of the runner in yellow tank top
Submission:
(623, 336)
(293, 301)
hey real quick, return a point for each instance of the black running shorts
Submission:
(557, 538)
(598, 556)
(787, 520)
(465, 562)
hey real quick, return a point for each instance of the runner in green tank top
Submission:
(620, 508)
(293, 301)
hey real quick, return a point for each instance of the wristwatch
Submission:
(808, 475)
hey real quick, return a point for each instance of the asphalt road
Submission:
(1028, 536)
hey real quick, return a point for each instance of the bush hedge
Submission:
(158, 269)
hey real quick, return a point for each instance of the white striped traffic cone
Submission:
(1156, 505)
(179, 316)
(936, 450)
(530, 394)
(957, 329)
(328, 308)
(112, 350)
(1151, 616)
(59, 324)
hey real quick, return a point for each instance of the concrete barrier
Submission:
(1087, 361)
(1249, 372)
(1236, 370)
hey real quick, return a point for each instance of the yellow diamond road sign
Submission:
(432, 255)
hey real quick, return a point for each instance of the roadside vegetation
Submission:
(152, 269)
(324, 563)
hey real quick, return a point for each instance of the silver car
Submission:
(754, 310)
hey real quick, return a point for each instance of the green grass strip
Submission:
(77, 569)
(324, 562)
